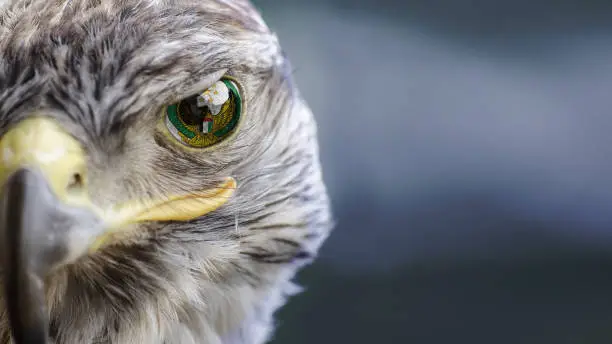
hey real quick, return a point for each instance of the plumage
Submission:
(103, 69)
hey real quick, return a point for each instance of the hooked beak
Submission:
(48, 220)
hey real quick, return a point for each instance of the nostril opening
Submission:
(75, 183)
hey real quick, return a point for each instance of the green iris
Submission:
(195, 125)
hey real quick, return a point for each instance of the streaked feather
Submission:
(103, 69)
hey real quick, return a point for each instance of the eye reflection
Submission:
(207, 118)
(190, 113)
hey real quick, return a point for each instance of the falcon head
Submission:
(159, 170)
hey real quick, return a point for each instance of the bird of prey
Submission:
(160, 173)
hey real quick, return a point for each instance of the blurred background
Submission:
(466, 146)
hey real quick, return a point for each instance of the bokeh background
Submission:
(467, 149)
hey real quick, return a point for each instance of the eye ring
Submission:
(208, 118)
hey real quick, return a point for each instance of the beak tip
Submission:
(37, 234)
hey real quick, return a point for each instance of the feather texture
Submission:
(104, 69)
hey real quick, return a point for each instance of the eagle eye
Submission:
(207, 118)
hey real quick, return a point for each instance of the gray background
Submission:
(466, 147)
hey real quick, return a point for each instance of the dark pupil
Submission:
(190, 112)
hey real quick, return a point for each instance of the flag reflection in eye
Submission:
(207, 118)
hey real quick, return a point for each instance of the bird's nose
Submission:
(39, 143)
(46, 219)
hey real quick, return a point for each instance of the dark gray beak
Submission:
(38, 233)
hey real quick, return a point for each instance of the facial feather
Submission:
(104, 69)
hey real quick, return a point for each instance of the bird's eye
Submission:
(207, 118)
